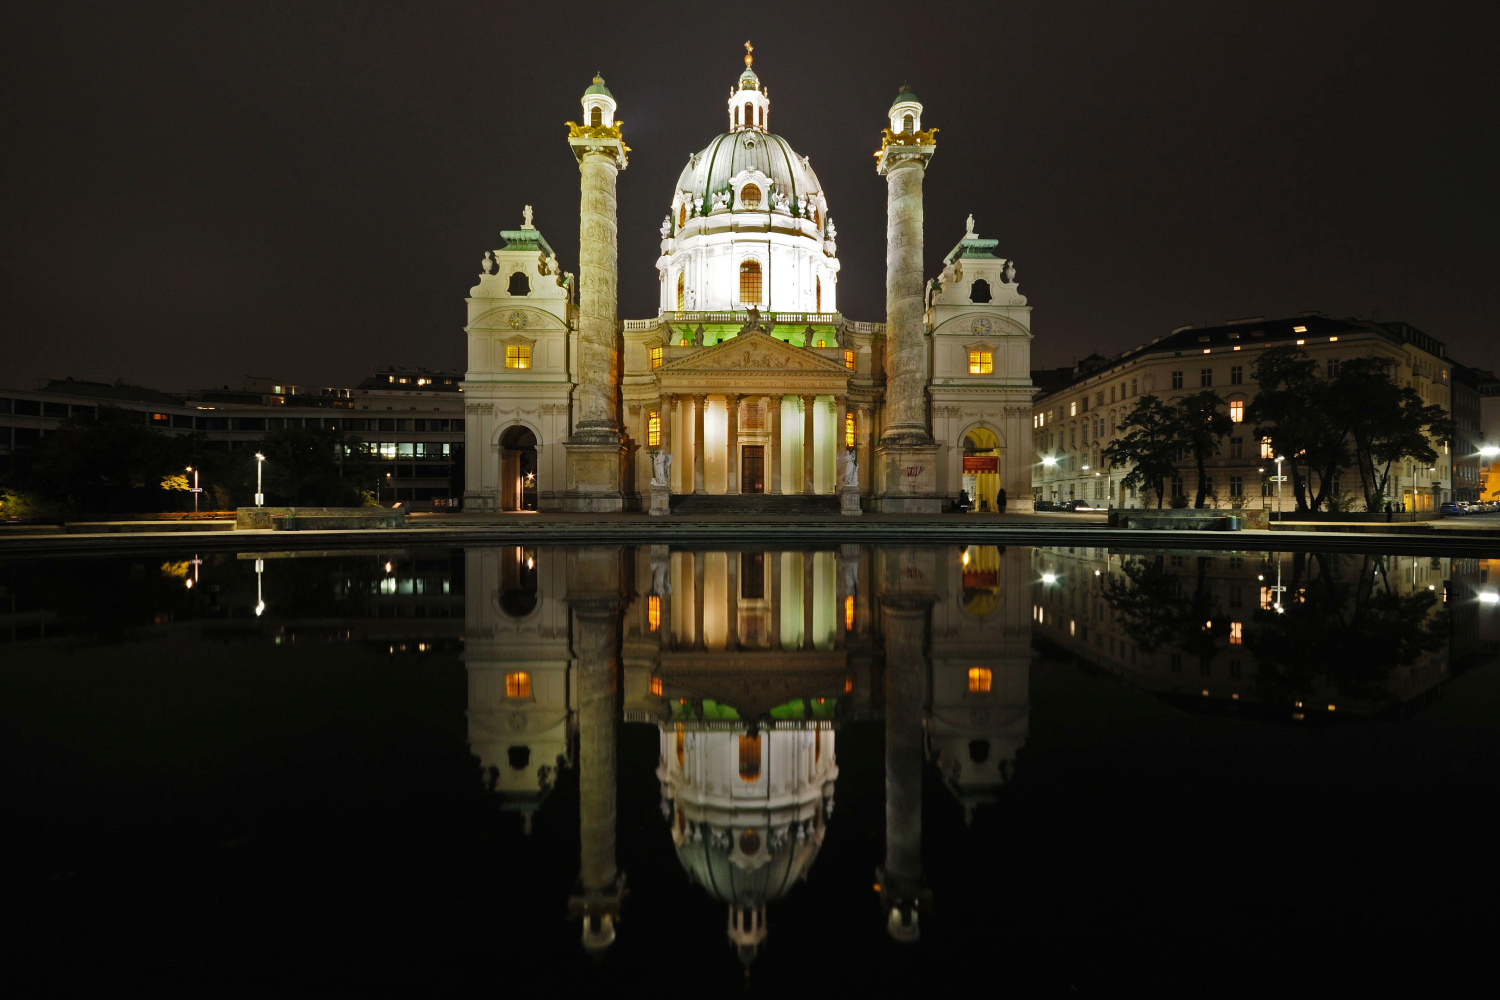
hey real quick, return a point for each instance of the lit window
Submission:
(849, 613)
(848, 430)
(518, 685)
(848, 685)
(750, 757)
(516, 356)
(653, 431)
(1236, 633)
(1299, 329)
(681, 745)
(658, 354)
(981, 362)
(750, 281)
(656, 686)
(1267, 450)
(980, 679)
(681, 290)
(849, 360)
(1237, 410)
(1301, 342)
(749, 196)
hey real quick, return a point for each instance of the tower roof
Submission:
(907, 95)
(599, 87)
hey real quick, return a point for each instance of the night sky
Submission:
(197, 192)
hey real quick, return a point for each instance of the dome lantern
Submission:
(598, 104)
(906, 112)
(749, 104)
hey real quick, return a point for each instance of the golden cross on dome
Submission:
(748, 57)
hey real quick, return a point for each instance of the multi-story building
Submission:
(1468, 434)
(410, 419)
(1072, 424)
(1488, 387)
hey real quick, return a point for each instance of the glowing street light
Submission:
(260, 498)
(260, 600)
(1049, 461)
(195, 490)
(1049, 578)
(1489, 451)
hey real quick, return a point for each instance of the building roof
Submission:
(105, 390)
(599, 87)
(709, 171)
(1188, 340)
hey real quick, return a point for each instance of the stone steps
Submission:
(785, 505)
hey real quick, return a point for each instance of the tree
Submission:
(308, 466)
(1387, 423)
(1151, 443)
(1304, 419)
(106, 461)
(1200, 426)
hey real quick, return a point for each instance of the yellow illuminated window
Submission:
(1299, 329)
(750, 758)
(848, 685)
(518, 685)
(750, 196)
(656, 687)
(653, 430)
(657, 354)
(980, 679)
(981, 362)
(681, 221)
(849, 612)
(848, 430)
(849, 360)
(653, 615)
(1267, 449)
(518, 356)
(750, 282)
(681, 291)
(1237, 410)
(681, 742)
(1236, 633)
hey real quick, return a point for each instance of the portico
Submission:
(752, 414)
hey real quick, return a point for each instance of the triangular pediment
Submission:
(754, 352)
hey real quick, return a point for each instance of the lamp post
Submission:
(195, 490)
(1279, 478)
(260, 600)
(260, 498)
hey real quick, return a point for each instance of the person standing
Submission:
(1000, 501)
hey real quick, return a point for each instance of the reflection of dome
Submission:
(709, 172)
(717, 861)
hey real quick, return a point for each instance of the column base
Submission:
(594, 474)
(906, 479)
(849, 502)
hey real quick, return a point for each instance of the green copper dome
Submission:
(599, 87)
(907, 94)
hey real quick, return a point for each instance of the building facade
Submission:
(750, 383)
(1075, 420)
(410, 419)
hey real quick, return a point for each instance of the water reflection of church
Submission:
(748, 663)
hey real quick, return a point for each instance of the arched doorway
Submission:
(518, 469)
(982, 468)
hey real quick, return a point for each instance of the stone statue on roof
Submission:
(526, 218)
(969, 233)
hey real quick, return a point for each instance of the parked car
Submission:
(1452, 508)
(1080, 506)
(1045, 505)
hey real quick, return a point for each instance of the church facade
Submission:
(750, 390)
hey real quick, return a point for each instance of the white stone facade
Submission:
(917, 415)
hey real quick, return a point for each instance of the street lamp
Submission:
(260, 600)
(195, 490)
(1279, 479)
(1489, 451)
(260, 498)
(1048, 461)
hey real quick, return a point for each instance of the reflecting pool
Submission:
(392, 772)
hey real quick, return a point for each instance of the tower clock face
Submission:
(983, 326)
(517, 320)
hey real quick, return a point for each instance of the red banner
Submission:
(981, 463)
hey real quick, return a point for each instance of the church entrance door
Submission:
(753, 468)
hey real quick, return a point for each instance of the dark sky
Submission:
(195, 192)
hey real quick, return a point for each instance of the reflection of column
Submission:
(600, 883)
(807, 600)
(700, 403)
(773, 403)
(903, 890)
(699, 558)
(809, 404)
(732, 594)
(732, 444)
(774, 559)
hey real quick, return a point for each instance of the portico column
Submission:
(773, 403)
(700, 403)
(732, 444)
(840, 442)
(864, 441)
(808, 404)
(664, 411)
